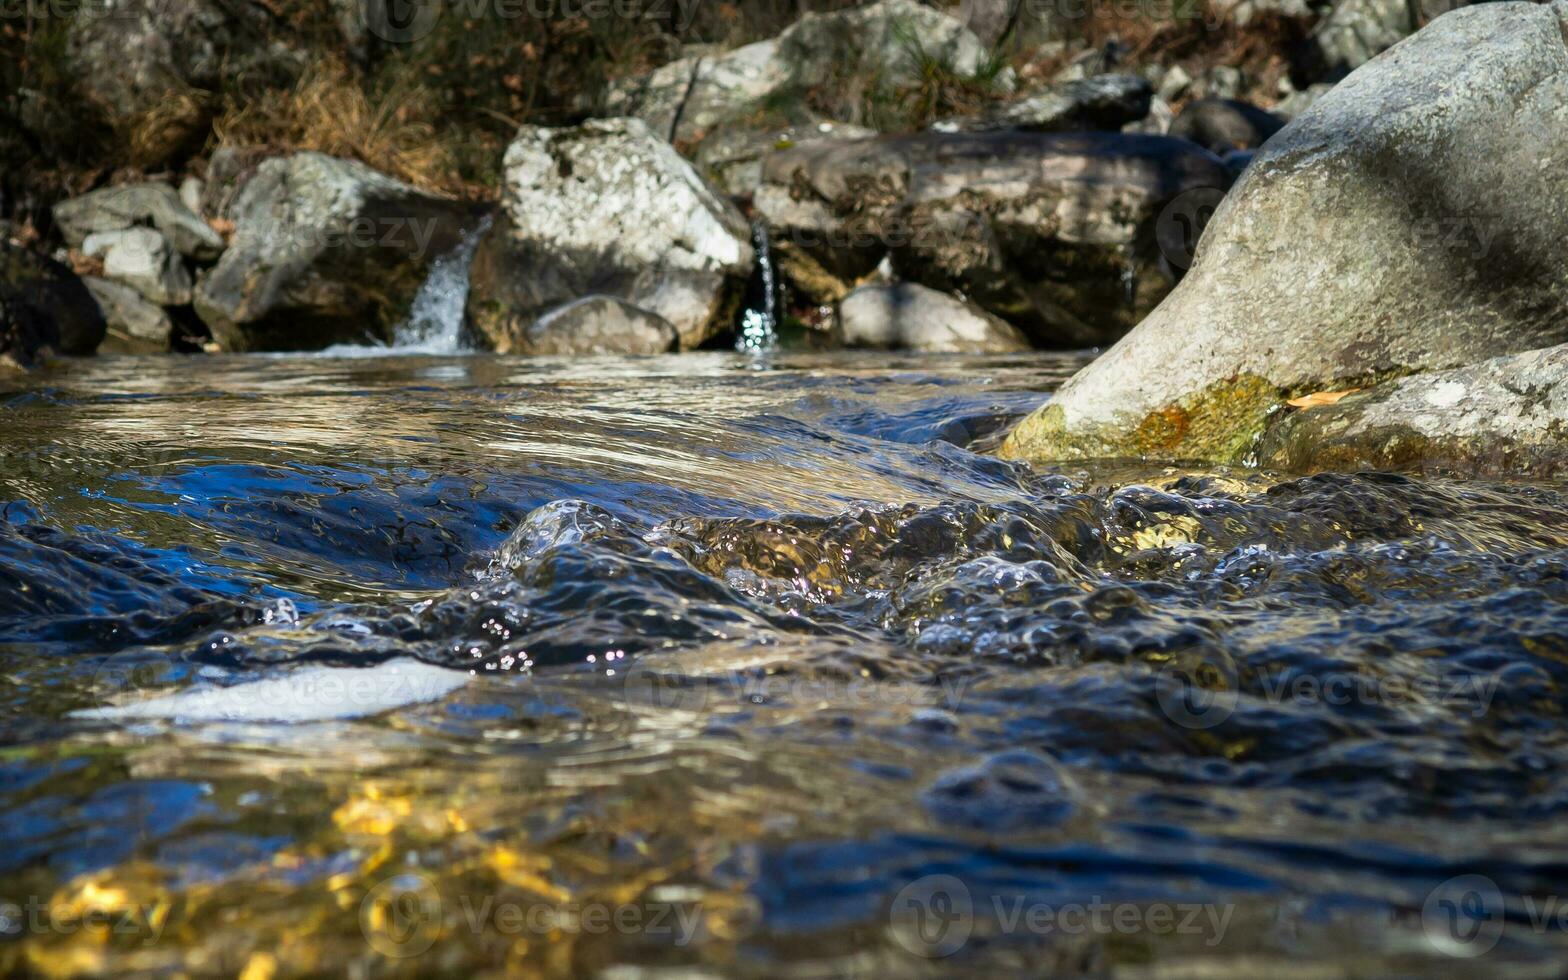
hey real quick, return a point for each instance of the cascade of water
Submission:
(435, 320)
(758, 326)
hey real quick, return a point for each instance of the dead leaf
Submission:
(1320, 398)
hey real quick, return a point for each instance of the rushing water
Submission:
(470, 666)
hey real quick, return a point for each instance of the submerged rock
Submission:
(324, 251)
(119, 208)
(1054, 232)
(44, 306)
(1508, 414)
(1403, 223)
(135, 326)
(609, 208)
(595, 325)
(1223, 125)
(908, 316)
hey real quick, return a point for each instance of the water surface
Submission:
(472, 665)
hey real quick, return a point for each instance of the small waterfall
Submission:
(758, 327)
(435, 320)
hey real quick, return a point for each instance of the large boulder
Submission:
(46, 306)
(324, 251)
(609, 208)
(886, 47)
(118, 208)
(908, 316)
(153, 67)
(1054, 232)
(1505, 415)
(1409, 220)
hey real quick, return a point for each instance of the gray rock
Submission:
(595, 325)
(1102, 102)
(732, 157)
(43, 306)
(908, 316)
(1246, 11)
(324, 251)
(142, 259)
(192, 189)
(1408, 221)
(1296, 102)
(857, 48)
(1221, 82)
(608, 208)
(151, 66)
(135, 326)
(118, 208)
(1223, 125)
(1355, 31)
(1053, 232)
(686, 98)
(1506, 415)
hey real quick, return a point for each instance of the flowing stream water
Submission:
(480, 666)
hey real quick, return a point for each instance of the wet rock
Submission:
(1223, 125)
(1403, 223)
(1053, 232)
(135, 326)
(1102, 102)
(595, 325)
(119, 208)
(1505, 415)
(851, 50)
(907, 316)
(607, 208)
(142, 259)
(324, 251)
(46, 307)
(152, 67)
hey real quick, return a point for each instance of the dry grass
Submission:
(329, 111)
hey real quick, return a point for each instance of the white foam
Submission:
(311, 694)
